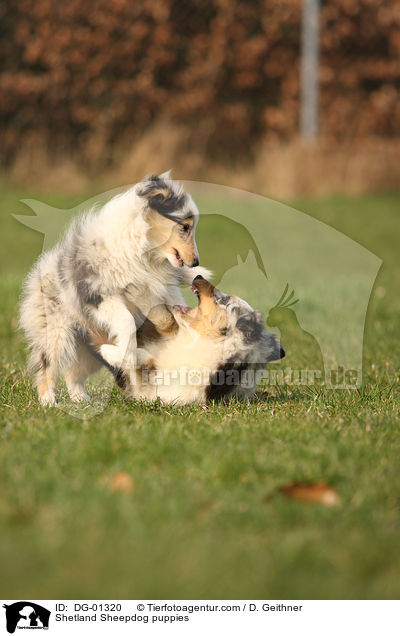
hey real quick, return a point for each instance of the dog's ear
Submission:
(166, 174)
(165, 198)
(251, 326)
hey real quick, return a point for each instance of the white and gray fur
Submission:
(104, 266)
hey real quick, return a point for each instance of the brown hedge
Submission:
(91, 75)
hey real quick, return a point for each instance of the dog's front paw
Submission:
(145, 359)
(118, 358)
(112, 355)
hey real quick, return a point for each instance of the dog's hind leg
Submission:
(45, 377)
(47, 328)
(77, 373)
(75, 382)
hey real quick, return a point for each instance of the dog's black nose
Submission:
(198, 278)
(195, 261)
(282, 352)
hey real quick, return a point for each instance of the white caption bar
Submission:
(261, 617)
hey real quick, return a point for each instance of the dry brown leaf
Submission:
(122, 482)
(317, 492)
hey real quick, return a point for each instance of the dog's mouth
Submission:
(195, 290)
(184, 309)
(178, 258)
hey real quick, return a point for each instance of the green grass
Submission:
(198, 523)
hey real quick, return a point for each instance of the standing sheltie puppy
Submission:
(133, 253)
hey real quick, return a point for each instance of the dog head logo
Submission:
(26, 615)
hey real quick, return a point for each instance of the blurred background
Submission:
(112, 89)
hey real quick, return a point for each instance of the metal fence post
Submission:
(309, 69)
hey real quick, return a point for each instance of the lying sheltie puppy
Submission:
(209, 352)
(131, 254)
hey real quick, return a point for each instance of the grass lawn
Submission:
(195, 522)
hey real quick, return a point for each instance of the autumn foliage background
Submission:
(118, 88)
